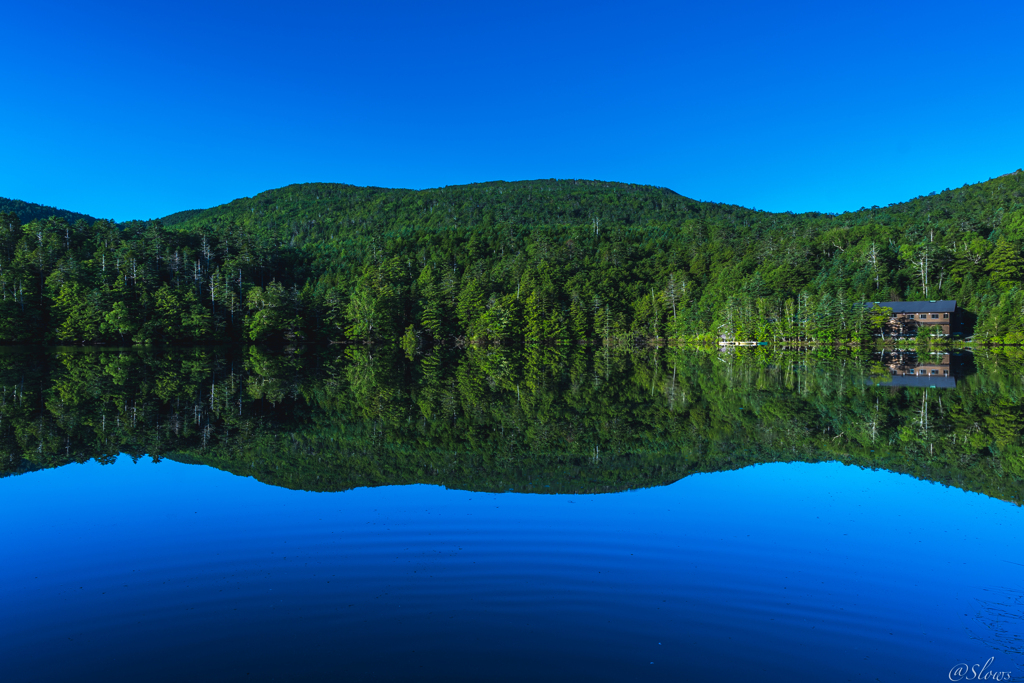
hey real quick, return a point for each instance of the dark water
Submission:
(717, 517)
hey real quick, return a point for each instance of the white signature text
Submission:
(978, 672)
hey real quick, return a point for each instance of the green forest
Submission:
(544, 418)
(508, 264)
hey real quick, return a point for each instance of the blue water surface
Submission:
(142, 571)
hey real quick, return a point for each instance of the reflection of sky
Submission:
(154, 572)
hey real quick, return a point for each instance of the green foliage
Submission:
(545, 418)
(409, 342)
(26, 212)
(1005, 320)
(1005, 264)
(362, 311)
(274, 312)
(80, 312)
(501, 320)
(117, 321)
(877, 316)
(179, 315)
(504, 263)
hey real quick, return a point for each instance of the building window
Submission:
(945, 316)
(922, 316)
(935, 316)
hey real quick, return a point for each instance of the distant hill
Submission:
(558, 261)
(28, 212)
(313, 209)
(181, 216)
(552, 202)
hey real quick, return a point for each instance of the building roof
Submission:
(922, 381)
(940, 306)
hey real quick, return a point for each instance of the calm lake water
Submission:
(692, 515)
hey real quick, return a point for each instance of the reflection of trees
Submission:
(549, 418)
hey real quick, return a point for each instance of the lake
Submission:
(494, 514)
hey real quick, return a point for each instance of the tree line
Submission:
(551, 262)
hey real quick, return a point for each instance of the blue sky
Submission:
(137, 110)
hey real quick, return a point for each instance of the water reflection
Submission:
(542, 420)
(998, 622)
(935, 370)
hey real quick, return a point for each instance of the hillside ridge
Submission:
(541, 183)
(511, 263)
(28, 211)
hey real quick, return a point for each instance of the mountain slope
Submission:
(314, 208)
(28, 212)
(513, 262)
(614, 242)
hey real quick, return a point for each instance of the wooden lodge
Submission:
(908, 316)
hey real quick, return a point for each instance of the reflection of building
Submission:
(907, 316)
(905, 370)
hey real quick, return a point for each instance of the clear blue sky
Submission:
(137, 110)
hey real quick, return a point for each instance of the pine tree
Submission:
(433, 316)
(578, 318)
(1005, 264)
(470, 305)
(534, 315)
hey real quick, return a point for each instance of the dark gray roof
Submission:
(923, 381)
(940, 306)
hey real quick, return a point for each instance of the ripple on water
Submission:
(389, 580)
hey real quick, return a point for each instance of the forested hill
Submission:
(316, 210)
(27, 212)
(520, 262)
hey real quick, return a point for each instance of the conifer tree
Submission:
(1005, 264)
